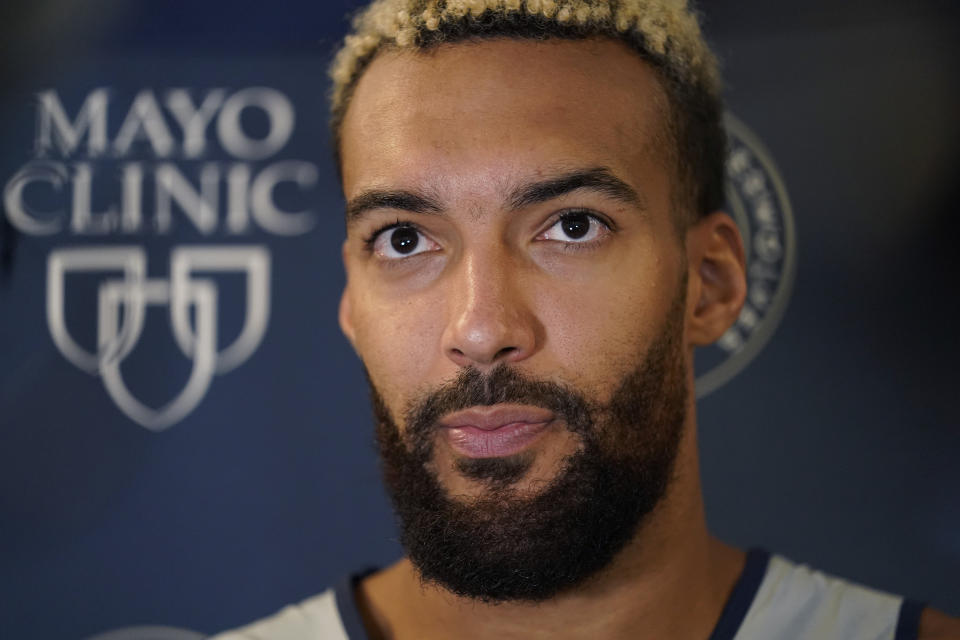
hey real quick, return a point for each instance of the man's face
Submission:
(510, 227)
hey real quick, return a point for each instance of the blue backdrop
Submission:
(172, 158)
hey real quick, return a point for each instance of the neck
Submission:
(671, 581)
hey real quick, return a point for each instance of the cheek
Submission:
(397, 343)
(600, 326)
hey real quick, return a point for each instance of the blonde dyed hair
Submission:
(667, 30)
(666, 33)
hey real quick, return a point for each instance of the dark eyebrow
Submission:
(380, 199)
(598, 179)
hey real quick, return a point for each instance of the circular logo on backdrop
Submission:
(149, 633)
(758, 201)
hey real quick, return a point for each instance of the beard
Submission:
(502, 545)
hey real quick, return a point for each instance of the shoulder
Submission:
(798, 602)
(935, 625)
(316, 617)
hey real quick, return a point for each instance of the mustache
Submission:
(501, 385)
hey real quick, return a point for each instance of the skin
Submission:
(465, 126)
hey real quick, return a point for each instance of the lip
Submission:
(491, 432)
(496, 416)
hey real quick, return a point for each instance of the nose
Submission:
(489, 320)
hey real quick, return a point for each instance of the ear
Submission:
(717, 278)
(345, 312)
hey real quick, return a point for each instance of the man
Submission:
(534, 250)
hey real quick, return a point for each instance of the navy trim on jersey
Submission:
(908, 624)
(344, 596)
(742, 595)
(734, 611)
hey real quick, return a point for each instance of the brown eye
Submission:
(404, 240)
(575, 227)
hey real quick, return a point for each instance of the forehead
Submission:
(485, 111)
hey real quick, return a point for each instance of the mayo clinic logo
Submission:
(153, 177)
(757, 199)
(133, 291)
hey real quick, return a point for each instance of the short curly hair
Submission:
(665, 33)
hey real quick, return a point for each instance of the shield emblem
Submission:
(132, 263)
(132, 292)
(255, 263)
(202, 296)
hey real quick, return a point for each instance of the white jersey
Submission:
(774, 598)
